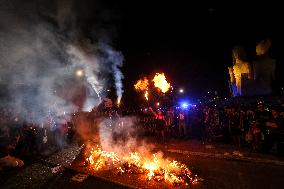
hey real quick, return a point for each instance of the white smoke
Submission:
(115, 59)
(39, 58)
(90, 65)
(32, 67)
(126, 141)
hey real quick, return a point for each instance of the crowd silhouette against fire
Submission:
(255, 126)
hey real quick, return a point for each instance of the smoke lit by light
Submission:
(79, 73)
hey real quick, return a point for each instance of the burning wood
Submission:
(100, 159)
(154, 167)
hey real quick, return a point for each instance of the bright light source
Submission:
(79, 73)
(181, 90)
(208, 92)
(158, 103)
(184, 105)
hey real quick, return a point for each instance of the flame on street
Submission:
(161, 82)
(154, 166)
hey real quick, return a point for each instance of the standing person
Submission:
(160, 123)
(170, 122)
(205, 123)
(274, 125)
(236, 127)
(182, 124)
(262, 116)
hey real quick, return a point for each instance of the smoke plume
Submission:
(42, 45)
(123, 138)
(115, 60)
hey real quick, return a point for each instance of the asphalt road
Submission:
(39, 175)
(221, 173)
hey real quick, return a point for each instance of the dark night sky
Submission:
(192, 44)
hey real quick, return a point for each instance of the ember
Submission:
(154, 167)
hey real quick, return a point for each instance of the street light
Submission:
(181, 90)
(79, 72)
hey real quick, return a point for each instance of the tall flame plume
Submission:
(142, 85)
(161, 82)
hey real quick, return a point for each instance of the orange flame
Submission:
(98, 158)
(146, 95)
(154, 167)
(142, 85)
(161, 82)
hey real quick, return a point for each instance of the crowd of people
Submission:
(258, 127)
(22, 138)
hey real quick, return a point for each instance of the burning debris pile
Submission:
(154, 166)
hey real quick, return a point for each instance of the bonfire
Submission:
(154, 167)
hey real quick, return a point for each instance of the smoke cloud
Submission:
(42, 45)
(122, 140)
(115, 59)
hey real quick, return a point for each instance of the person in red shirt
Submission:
(160, 123)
